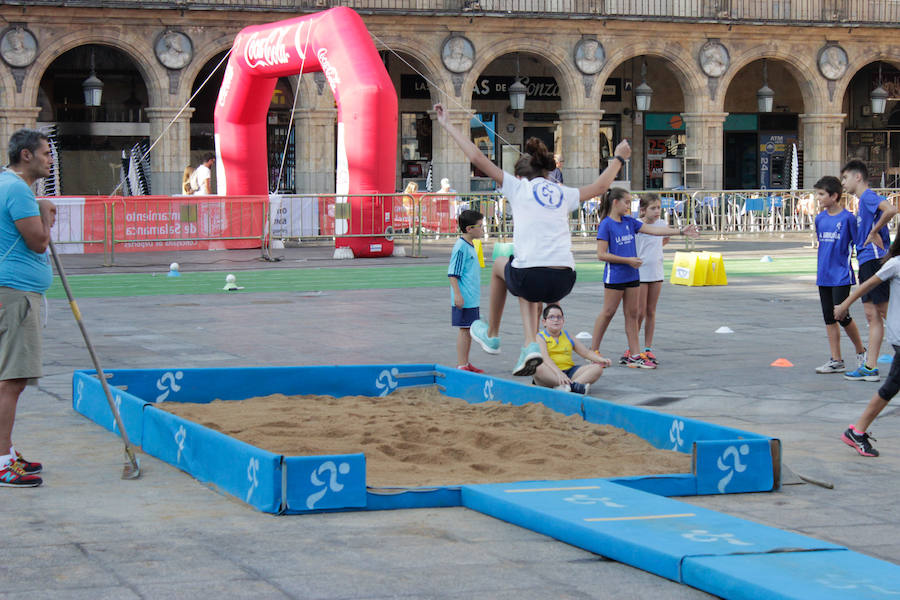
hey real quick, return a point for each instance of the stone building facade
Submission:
(704, 74)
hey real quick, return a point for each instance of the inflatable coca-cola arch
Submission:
(337, 43)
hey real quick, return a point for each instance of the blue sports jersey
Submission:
(620, 236)
(836, 234)
(465, 267)
(867, 215)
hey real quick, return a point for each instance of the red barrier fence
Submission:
(111, 224)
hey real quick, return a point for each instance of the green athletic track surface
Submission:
(350, 278)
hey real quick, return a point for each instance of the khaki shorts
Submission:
(20, 334)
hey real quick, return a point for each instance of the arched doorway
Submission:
(874, 138)
(497, 129)
(416, 132)
(91, 139)
(759, 145)
(280, 133)
(656, 134)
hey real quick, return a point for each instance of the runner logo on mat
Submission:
(735, 455)
(386, 382)
(166, 384)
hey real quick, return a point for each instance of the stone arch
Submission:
(565, 73)
(142, 57)
(433, 70)
(860, 60)
(209, 51)
(813, 89)
(693, 85)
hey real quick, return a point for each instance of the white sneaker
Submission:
(564, 387)
(832, 366)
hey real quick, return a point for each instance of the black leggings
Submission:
(831, 296)
(891, 385)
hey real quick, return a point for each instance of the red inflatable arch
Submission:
(336, 42)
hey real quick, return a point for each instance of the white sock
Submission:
(6, 460)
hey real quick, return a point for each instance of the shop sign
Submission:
(663, 122)
(497, 88)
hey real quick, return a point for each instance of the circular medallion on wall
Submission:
(589, 56)
(458, 54)
(832, 61)
(714, 59)
(174, 50)
(18, 47)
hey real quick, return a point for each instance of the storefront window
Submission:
(662, 162)
(415, 144)
(483, 132)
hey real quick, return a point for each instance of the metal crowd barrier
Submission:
(144, 223)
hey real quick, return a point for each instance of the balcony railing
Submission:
(883, 13)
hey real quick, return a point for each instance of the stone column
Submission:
(315, 148)
(448, 160)
(13, 119)
(705, 139)
(172, 153)
(580, 133)
(821, 135)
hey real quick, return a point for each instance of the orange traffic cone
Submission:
(782, 362)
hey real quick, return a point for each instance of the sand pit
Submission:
(417, 437)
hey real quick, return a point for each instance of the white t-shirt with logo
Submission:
(200, 174)
(540, 208)
(650, 251)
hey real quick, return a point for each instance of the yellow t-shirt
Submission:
(560, 350)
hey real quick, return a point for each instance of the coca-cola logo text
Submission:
(267, 50)
(330, 72)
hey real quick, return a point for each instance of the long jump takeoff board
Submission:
(714, 552)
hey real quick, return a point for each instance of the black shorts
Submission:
(831, 296)
(539, 284)
(463, 317)
(882, 292)
(622, 286)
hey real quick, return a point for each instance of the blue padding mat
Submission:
(324, 482)
(89, 399)
(727, 467)
(646, 531)
(206, 385)
(837, 575)
(242, 470)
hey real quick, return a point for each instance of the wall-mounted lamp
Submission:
(765, 97)
(643, 93)
(517, 92)
(879, 96)
(92, 86)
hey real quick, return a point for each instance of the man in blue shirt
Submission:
(25, 273)
(872, 217)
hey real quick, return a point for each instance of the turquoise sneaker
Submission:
(529, 360)
(863, 373)
(479, 332)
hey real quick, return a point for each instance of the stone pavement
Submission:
(88, 534)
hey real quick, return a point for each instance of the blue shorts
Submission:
(570, 372)
(463, 317)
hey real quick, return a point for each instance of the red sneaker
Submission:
(30, 468)
(471, 368)
(12, 475)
